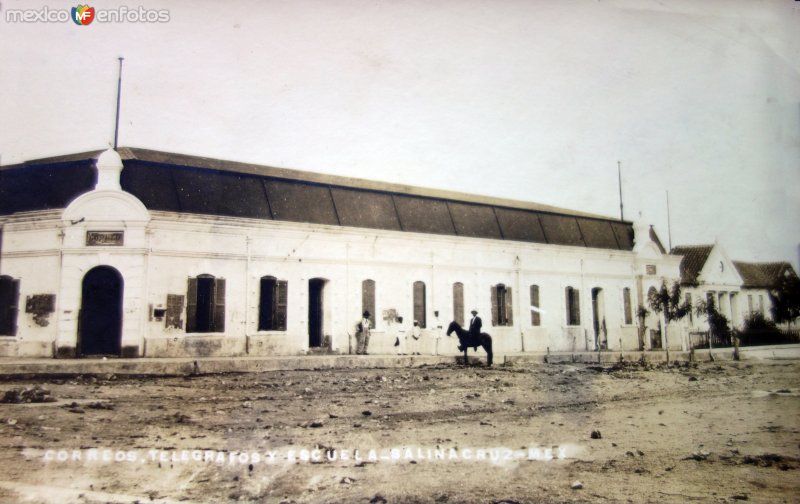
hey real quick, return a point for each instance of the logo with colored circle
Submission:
(83, 15)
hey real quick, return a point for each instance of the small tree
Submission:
(717, 322)
(756, 321)
(785, 299)
(641, 315)
(669, 303)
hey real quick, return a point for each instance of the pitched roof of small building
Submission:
(762, 275)
(181, 183)
(694, 258)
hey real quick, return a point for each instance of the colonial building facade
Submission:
(738, 289)
(143, 253)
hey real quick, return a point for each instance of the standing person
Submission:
(362, 334)
(475, 330)
(400, 339)
(437, 332)
(416, 339)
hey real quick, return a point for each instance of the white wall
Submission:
(174, 247)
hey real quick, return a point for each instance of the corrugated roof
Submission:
(169, 158)
(44, 187)
(694, 258)
(180, 183)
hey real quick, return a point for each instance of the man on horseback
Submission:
(468, 339)
(475, 325)
(475, 329)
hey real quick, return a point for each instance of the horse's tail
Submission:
(487, 345)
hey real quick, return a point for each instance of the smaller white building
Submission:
(737, 289)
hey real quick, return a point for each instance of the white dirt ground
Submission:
(708, 432)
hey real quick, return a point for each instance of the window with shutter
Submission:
(495, 310)
(9, 302)
(281, 305)
(502, 311)
(536, 319)
(508, 315)
(218, 320)
(267, 302)
(419, 303)
(458, 303)
(191, 306)
(272, 304)
(573, 307)
(626, 305)
(205, 304)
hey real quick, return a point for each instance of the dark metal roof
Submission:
(44, 187)
(180, 183)
(694, 258)
(763, 275)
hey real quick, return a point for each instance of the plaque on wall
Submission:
(40, 303)
(104, 238)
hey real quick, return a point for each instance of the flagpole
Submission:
(619, 178)
(119, 93)
(669, 224)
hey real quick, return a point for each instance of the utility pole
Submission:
(619, 178)
(669, 225)
(119, 93)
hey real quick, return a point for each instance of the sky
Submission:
(530, 100)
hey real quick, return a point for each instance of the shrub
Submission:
(758, 322)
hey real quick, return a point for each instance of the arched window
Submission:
(536, 319)
(368, 299)
(626, 305)
(420, 303)
(205, 305)
(573, 306)
(272, 304)
(458, 303)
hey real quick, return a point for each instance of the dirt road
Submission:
(703, 433)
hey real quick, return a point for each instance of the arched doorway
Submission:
(100, 321)
(316, 312)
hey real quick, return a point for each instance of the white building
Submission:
(738, 289)
(169, 255)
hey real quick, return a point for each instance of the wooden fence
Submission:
(699, 339)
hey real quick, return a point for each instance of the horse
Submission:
(467, 340)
